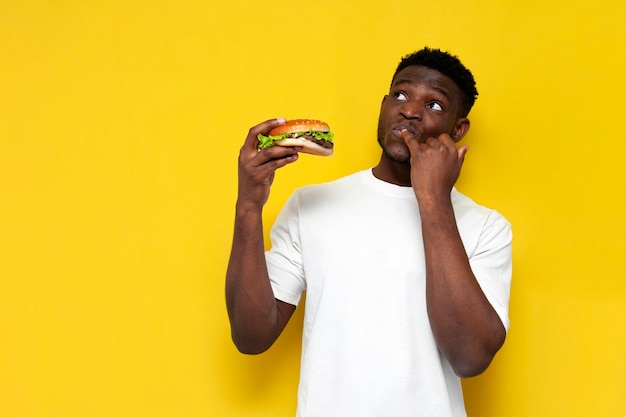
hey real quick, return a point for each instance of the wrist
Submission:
(435, 206)
(246, 208)
(432, 200)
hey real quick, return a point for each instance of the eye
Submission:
(400, 96)
(435, 106)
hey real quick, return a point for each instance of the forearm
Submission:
(466, 327)
(252, 309)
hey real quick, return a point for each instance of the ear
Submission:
(460, 129)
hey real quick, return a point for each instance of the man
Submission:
(407, 280)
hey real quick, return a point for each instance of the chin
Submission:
(395, 152)
(399, 158)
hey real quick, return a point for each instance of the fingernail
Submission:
(281, 120)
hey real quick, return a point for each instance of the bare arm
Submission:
(256, 317)
(466, 327)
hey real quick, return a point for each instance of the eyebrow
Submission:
(408, 81)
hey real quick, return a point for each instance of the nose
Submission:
(411, 109)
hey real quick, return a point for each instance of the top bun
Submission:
(300, 125)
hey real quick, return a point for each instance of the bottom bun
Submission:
(308, 146)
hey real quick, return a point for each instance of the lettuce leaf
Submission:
(267, 141)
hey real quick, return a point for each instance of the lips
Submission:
(398, 129)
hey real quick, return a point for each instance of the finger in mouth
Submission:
(405, 132)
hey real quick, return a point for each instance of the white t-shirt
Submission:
(355, 246)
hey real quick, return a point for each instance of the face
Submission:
(424, 102)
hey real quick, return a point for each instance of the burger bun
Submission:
(307, 145)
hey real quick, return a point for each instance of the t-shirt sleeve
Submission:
(284, 259)
(491, 263)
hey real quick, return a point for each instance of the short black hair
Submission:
(450, 66)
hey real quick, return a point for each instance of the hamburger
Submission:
(314, 136)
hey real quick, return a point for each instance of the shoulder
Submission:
(467, 210)
(484, 231)
(326, 199)
(332, 188)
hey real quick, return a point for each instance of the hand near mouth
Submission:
(435, 165)
(406, 134)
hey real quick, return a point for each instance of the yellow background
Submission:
(120, 125)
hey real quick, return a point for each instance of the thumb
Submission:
(462, 151)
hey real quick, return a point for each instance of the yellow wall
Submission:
(116, 206)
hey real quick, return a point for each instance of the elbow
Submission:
(249, 349)
(471, 368)
(250, 346)
(474, 362)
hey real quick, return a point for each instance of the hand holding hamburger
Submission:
(314, 136)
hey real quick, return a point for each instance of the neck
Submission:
(398, 173)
